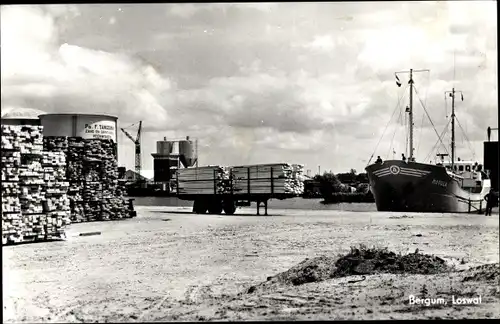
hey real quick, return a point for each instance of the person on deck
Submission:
(403, 157)
(379, 160)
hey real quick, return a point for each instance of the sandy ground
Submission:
(168, 264)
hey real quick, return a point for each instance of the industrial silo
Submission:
(164, 147)
(187, 154)
(86, 126)
(20, 116)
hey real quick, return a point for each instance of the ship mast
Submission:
(452, 95)
(453, 128)
(410, 112)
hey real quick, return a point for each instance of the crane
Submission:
(137, 142)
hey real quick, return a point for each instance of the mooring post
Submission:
(258, 207)
(469, 206)
(480, 207)
(265, 205)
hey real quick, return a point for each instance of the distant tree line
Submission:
(342, 187)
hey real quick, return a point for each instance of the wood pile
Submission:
(74, 157)
(11, 205)
(114, 208)
(92, 171)
(55, 143)
(24, 139)
(32, 193)
(31, 185)
(31, 181)
(203, 180)
(280, 178)
(121, 188)
(56, 189)
(268, 178)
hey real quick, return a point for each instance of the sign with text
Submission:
(98, 129)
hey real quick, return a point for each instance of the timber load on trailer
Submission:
(214, 189)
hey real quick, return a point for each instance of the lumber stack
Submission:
(279, 178)
(31, 184)
(28, 213)
(121, 188)
(116, 206)
(296, 180)
(73, 150)
(92, 171)
(74, 156)
(56, 189)
(24, 139)
(55, 143)
(203, 180)
(11, 206)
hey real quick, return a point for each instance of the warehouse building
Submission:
(491, 160)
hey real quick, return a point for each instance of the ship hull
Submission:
(416, 187)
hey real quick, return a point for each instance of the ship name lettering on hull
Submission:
(439, 183)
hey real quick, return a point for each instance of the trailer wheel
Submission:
(229, 207)
(200, 206)
(215, 207)
(195, 206)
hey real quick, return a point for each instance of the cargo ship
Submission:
(445, 187)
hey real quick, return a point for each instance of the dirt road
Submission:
(168, 264)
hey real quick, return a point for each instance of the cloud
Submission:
(324, 43)
(302, 82)
(62, 78)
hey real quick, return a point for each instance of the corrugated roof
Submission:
(20, 113)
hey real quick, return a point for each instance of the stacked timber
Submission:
(56, 188)
(32, 185)
(296, 180)
(92, 172)
(75, 175)
(31, 182)
(55, 144)
(24, 139)
(11, 138)
(203, 180)
(121, 188)
(74, 157)
(25, 180)
(11, 205)
(11, 160)
(279, 178)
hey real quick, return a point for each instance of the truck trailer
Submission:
(217, 189)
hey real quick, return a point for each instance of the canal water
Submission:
(293, 203)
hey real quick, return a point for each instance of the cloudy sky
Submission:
(309, 83)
